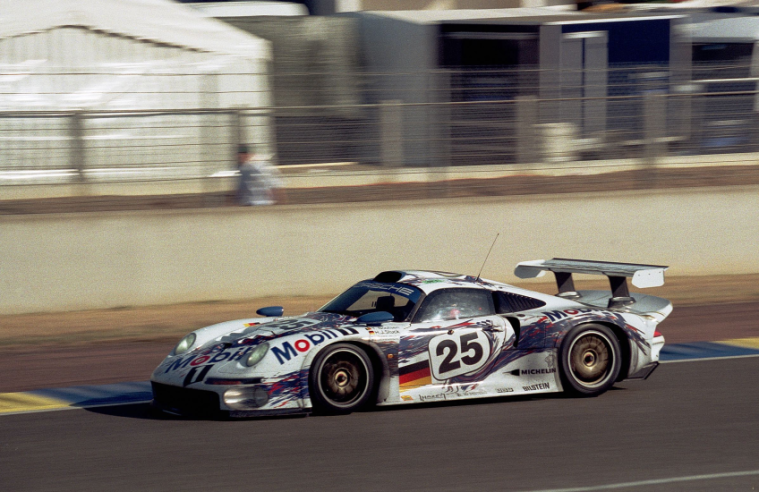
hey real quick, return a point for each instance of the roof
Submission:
(440, 16)
(158, 21)
(541, 15)
(250, 9)
(427, 280)
(732, 29)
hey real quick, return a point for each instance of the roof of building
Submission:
(158, 21)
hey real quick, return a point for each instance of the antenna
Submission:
(487, 256)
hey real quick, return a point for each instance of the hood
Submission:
(223, 345)
(257, 330)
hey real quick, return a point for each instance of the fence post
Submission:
(654, 125)
(441, 89)
(77, 151)
(526, 127)
(236, 135)
(391, 133)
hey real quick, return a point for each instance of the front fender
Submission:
(293, 355)
(377, 352)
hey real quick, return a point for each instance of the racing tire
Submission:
(590, 360)
(341, 380)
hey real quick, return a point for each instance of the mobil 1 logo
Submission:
(458, 353)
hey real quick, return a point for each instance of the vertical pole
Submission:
(236, 135)
(442, 134)
(209, 165)
(76, 150)
(526, 126)
(391, 134)
(654, 123)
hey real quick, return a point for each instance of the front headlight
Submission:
(185, 344)
(257, 354)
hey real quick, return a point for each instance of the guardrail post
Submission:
(654, 126)
(76, 149)
(526, 129)
(391, 134)
(441, 138)
(236, 135)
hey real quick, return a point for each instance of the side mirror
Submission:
(271, 311)
(375, 318)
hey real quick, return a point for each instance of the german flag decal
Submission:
(415, 375)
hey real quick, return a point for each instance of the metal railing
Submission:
(402, 127)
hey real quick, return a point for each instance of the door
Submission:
(454, 339)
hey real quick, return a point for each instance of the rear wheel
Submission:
(590, 360)
(341, 379)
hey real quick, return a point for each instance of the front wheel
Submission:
(341, 379)
(590, 360)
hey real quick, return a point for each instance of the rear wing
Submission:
(642, 276)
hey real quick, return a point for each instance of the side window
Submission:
(449, 304)
(508, 302)
(502, 305)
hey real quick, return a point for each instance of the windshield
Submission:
(367, 297)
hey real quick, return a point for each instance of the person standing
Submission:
(260, 182)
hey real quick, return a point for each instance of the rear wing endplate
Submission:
(642, 275)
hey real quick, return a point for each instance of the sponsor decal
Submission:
(195, 360)
(287, 350)
(538, 371)
(433, 281)
(196, 375)
(558, 315)
(537, 387)
(381, 331)
(457, 354)
(504, 390)
(433, 397)
(414, 375)
(407, 398)
(528, 372)
(396, 288)
(452, 395)
(291, 324)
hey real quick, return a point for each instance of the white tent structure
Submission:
(113, 90)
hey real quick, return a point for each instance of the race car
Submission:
(409, 336)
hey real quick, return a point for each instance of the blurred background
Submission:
(120, 106)
(408, 134)
(152, 98)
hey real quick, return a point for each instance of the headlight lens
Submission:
(185, 344)
(257, 354)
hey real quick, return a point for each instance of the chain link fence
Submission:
(423, 127)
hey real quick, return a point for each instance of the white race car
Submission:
(408, 337)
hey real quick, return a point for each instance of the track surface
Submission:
(688, 419)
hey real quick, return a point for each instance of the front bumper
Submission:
(185, 401)
(203, 403)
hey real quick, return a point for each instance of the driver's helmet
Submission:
(449, 312)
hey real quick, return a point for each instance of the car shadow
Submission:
(145, 411)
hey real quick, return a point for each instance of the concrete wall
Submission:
(102, 260)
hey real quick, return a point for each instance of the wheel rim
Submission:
(342, 379)
(591, 359)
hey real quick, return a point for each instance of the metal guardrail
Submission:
(445, 123)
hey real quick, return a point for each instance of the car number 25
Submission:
(458, 353)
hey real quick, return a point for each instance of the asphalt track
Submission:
(691, 426)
